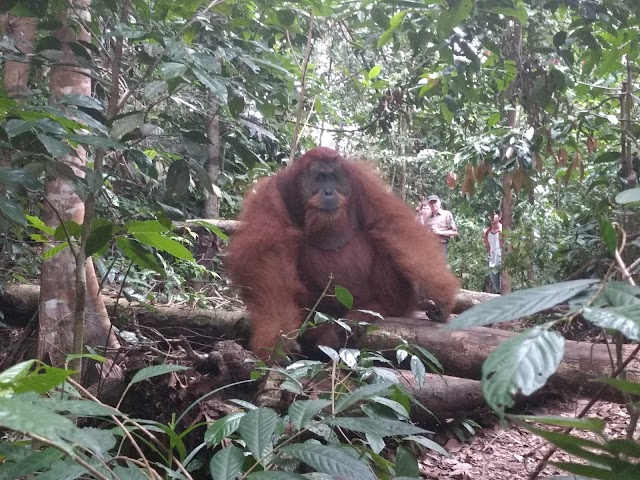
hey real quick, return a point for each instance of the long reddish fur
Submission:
(263, 255)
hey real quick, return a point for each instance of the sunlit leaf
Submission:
(518, 304)
(330, 460)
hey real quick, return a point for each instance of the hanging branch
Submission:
(307, 54)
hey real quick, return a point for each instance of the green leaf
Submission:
(178, 179)
(519, 13)
(40, 225)
(96, 141)
(344, 296)
(138, 254)
(226, 464)
(625, 320)
(519, 304)
(16, 372)
(101, 234)
(394, 23)
(330, 460)
(418, 370)
(374, 72)
(446, 113)
(427, 443)
(457, 13)
(55, 147)
(20, 414)
(18, 177)
(608, 157)
(215, 86)
(595, 425)
(609, 236)
(362, 393)
(621, 294)
(126, 123)
(628, 196)
(286, 17)
(521, 364)
(222, 428)
(276, 476)
(171, 70)
(212, 228)
(42, 380)
(381, 426)
(301, 411)
(146, 226)
(81, 408)
(165, 244)
(156, 370)
(256, 429)
(12, 211)
(19, 468)
(155, 89)
(622, 385)
(406, 463)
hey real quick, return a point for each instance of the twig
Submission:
(307, 54)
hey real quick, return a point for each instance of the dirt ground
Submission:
(511, 453)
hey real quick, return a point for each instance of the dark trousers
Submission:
(494, 282)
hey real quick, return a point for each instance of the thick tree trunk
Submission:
(22, 31)
(58, 281)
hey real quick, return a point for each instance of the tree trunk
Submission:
(513, 51)
(214, 162)
(22, 31)
(58, 327)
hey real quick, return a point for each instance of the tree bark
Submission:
(22, 31)
(214, 164)
(58, 280)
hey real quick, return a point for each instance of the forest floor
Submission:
(511, 453)
(494, 452)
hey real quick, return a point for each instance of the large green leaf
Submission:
(301, 411)
(15, 177)
(380, 426)
(156, 370)
(226, 464)
(330, 460)
(628, 196)
(138, 254)
(521, 364)
(362, 393)
(19, 413)
(256, 429)
(457, 13)
(171, 70)
(394, 23)
(55, 147)
(178, 179)
(12, 211)
(266, 475)
(164, 243)
(406, 463)
(222, 428)
(519, 304)
(625, 320)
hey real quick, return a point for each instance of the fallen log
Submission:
(19, 301)
(461, 352)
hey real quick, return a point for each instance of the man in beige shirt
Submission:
(439, 220)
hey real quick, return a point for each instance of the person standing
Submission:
(439, 220)
(493, 245)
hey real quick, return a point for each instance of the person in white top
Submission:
(493, 244)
